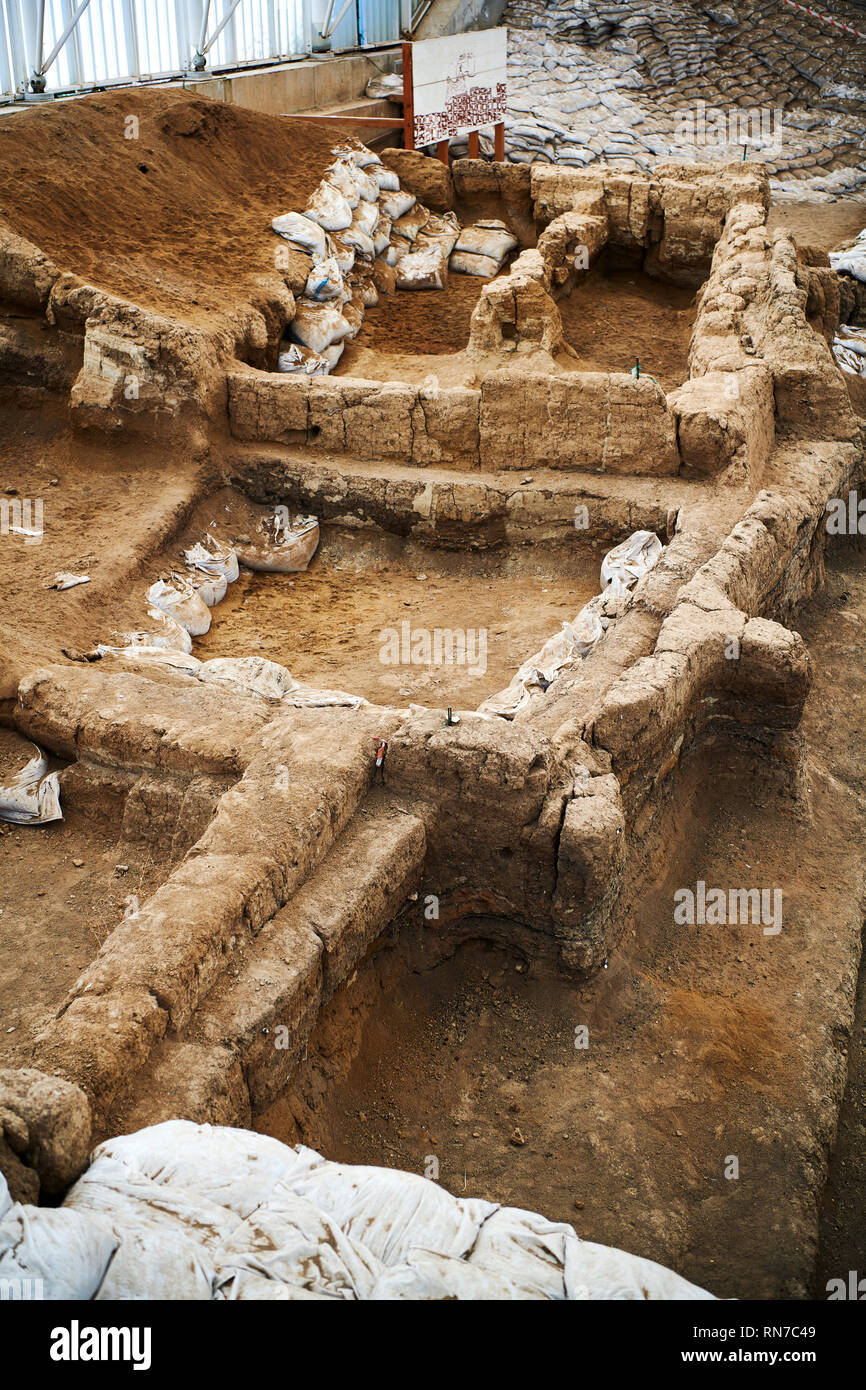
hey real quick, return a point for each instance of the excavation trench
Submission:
(685, 1097)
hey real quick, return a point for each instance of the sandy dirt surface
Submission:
(826, 225)
(107, 511)
(177, 219)
(619, 315)
(330, 625)
(63, 889)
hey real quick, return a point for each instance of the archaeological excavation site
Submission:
(433, 660)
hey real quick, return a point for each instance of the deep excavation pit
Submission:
(392, 963)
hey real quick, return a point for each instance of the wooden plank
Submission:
(408, 99)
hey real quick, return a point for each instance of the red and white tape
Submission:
(827, 18)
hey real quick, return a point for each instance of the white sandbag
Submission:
(64, 580)
(363, 287)
(399, 246)
(390, 255)
(852, 261)
(292, 1241)
(244, 1285)
(183, 1210)
(411, 223)
(466, 263)
(547, 1260)
(354, 316)
(281, 544)
(386, 84)
(352, 182)
(58, 1253)
(395, 204)
(313, 697)
(209, 556)
(344, 255)
(386, 179)
(183, 603)
(153, 1263)
(381, 233)
(252, 674)
(366, 159)
(631, 559)
(343, 175)
(490, 240)
(120, 1199)
(303, 232)
(366, 217)
(358, 153)
(423, 269)
(142, 657)
(442, 230)
(162, 631)
(329, 208)
(317, 326)
(560, 653)
(849, 361)
(361, 243)
(301, 361)
(325, 281)
(29, 793)
(171, 1153)
(427, 1276)
(210, 587)
(392, 1212)
(332, 355)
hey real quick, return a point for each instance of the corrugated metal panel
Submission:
(381, 20)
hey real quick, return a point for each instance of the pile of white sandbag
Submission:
(849, 350)
(179, 608)
(621, 569)
(192, 1212)
(482, 248)
(364, 234)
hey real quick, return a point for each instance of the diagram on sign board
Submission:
(458, 84)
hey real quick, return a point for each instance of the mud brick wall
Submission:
(600, 421)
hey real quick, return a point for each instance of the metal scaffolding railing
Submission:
(68, 45)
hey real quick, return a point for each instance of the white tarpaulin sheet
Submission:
(186, 1211)
(30, 795)
(853, 260)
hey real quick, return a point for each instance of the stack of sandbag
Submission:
(195, 1212)
(849, 350)
(29, 793)
(365, 236)
(621, 569)
(482, 248)
(179, 606)
(425, 265)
